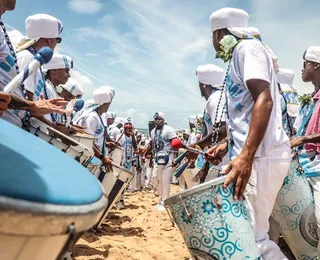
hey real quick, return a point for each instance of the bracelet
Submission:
(101, 156)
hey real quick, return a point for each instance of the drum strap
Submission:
(26, 119)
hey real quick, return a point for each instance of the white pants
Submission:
(164, 180)
(148, 173)
(315, 184)
(137, 181)
(266, 179)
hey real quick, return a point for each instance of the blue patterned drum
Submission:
(294, 216)
(213, 225)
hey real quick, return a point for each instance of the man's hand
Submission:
(216, 153)
(107, 162)
(5, 99)
(240, 169)
(43, 106)
(296, 141)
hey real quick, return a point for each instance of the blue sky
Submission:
(148, 50)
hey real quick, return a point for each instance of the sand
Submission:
(138, 232)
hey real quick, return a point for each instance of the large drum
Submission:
(85, 139)
(74, 149)
(294, 216)
(114, 184)
(213, 225)
(47, 200)
(116, 155)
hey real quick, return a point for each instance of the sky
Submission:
(148, 50)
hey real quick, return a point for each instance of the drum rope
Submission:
(26, 118)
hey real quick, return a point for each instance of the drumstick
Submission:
(43, 56)
(177, 144)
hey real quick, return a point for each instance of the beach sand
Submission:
(138, 232)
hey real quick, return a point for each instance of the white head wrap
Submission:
(103, 95)
(210, 75)
(312, 54)
(192, 119)
(58, 61)
(73, 87)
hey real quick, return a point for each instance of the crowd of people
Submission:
(253, 119)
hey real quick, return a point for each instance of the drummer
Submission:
(8, 71)
(92, 120)
(161, 138)
(210, 78)
(255, 134)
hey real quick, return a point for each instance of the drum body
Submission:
(94, 166)
(294, 215)
(114, 184)
(85, 139)
(44, 206)
(74, 149)
(117, 154)
(213, 225)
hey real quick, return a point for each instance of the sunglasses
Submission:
(59, 40)
(306, 63)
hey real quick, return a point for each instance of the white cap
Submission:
(58, 61)
(228, 18)
(119, 120)
(312, 54)
(187, 131)
(109, 115)
(158, 114)
(285, 76)
(73, 87)
(103, 95)
(43, 26)
(128, 120)
(192, 119)
(210, 74)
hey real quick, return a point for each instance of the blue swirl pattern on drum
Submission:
(223, 231)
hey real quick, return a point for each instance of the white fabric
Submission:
(164, 176)
(167, 133)
(228, 17)
(246, 32)
(52, 94)
(285, 76)
(192, 139)
(103, 95)
(114, 132)
(211, 110)
(126, 143)
(106, 116)
(251, 60)
(266, 179)
(187, 131)
(7, 73)
(210, 74)
(128, 120)
(58, 61)
(73, 87)
(35, 82)
(160, 114)
(312, 54)
(94, 127)
(193, 119)
(43, 26)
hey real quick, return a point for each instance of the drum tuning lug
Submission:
(189, 216)
(170, 217)
(37, 130)
(50, 141)
(65, 150)
(78, 157)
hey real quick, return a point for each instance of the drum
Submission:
(213, 225)
(85, 139)
(47, 200)
(294, 215)
(114, 184)
(116, 155)
(94, 166)
(74, 149)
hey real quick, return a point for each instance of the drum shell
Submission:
(94, 166)
(213, 231)
(85, 139)
(117, 154)
(114, 183)
(294, 215)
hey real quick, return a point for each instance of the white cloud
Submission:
(92, 54)
(85, 6)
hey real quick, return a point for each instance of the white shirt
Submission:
(7, 73)
(114, 132)
(211, 110)
(52, 94)
(35, 82)
(251, 61)
(161, 139)
(192, 139)
(126, 143)
(94, 126)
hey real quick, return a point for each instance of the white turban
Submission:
(73, 87)
(103, 95)
(193, 119)
(58, 61)
(210, 75)
(312, 54)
